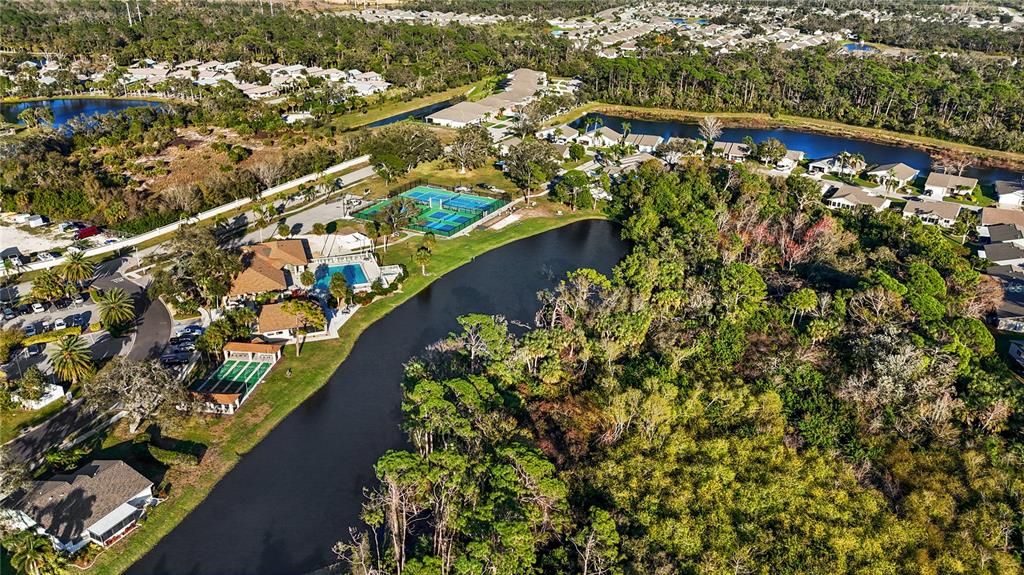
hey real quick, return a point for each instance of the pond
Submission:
(417, 114)
(296, 493)
(815, 146)
(66, 108)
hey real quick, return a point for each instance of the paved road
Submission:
(151, 335)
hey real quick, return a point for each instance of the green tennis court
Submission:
(234, 376)
(441, 211)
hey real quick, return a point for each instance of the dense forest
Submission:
(421, 58)
(970, 100)
(759, 387)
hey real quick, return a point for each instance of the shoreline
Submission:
(13, 101)
(279, 396)
(986, 157)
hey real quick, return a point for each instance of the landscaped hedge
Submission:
(51, 335)
(172, 458)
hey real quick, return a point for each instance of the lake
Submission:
(66, 108)
(299, 490)
(815, 146)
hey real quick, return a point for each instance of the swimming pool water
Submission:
(353, 274)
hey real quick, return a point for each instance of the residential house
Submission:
(897, 175)
(1003, 254)
(732, 151)
(98, 503)
(835, 165)
(997, 233)
(560, 134)
(933, 212)
(644, 142)
(1009, 315)
(270, 267)
(629, 164)
(1011, 194)
(245, 366)
(791, 160)
(939, 185)
(506, 145)
(602, 137)
(993, 216)
(845, 196)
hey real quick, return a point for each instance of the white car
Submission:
(60, 324)
(79, 300)
(38, 307)
(45, 256)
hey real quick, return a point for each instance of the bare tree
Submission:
(142, 389)
(180, 197)
(269, 170)
(710, 128)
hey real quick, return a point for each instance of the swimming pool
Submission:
(353, 274)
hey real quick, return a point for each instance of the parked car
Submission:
(23, 309)
(46, 326)
(187, 346)
(35, 349)
(62, 303)
(175, 358)
(9, 313)
(79, 299)
(38, 307)
(30, 330)
(196, 330)
(60, 324)
(44, 256)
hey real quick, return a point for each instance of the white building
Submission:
(939, 185)
(1011, 194)
(943, 214)
(899, 174)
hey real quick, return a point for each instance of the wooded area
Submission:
(760, 387)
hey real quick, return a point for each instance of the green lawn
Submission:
(14, 421)
(231, 437)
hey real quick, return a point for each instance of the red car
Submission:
(87, 232)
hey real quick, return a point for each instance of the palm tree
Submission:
(72, 360)
(116, 307)
(76, 268)
(263, 215)
(33, 554)
(627, 128)
(422, 257)
(844, 160)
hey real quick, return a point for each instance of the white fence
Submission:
(208, 214)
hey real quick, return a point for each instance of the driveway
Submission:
(153, 326)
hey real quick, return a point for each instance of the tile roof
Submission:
(65, 505)
(273, 317)
(253, 347)
(281, 252)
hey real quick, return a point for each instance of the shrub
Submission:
(172, 458)
(49, 336)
